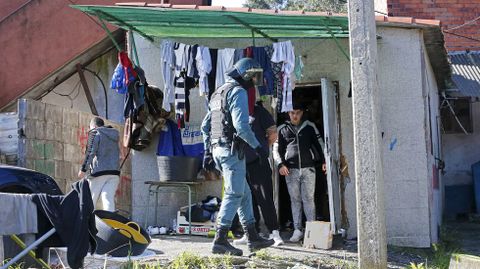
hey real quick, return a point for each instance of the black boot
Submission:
(255, 241)
(221, 244)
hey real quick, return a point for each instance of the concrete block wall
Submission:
(8, 138)
(54, 141)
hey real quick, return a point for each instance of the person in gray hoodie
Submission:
(102, 164)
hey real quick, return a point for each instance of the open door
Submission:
(331, 134)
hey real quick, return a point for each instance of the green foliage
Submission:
(307, 5)
(416, 266)
(438, 257)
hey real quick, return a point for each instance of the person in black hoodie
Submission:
(298, 148)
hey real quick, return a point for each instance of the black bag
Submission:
(198, 214)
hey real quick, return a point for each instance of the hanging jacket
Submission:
(170, 141)
(298, 146)
(72, 217)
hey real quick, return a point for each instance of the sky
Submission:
(228, 3)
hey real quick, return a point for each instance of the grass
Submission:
(186, 260)
(438, 256)
(20, 265)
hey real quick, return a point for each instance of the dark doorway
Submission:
(311, 97)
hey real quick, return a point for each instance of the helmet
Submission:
(247, 69)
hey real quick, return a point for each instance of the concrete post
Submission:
(372, 243)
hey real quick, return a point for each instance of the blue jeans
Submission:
(237, 196)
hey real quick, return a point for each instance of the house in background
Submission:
(460, 107)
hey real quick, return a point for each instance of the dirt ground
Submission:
(458, 237)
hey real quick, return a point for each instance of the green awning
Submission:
(194, 23)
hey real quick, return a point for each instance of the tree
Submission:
(307, 5)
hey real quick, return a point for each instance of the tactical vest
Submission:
(221, 120)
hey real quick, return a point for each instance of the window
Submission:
(462, 108)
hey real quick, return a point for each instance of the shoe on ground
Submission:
(297, 236)
(275, 235)
(241, 241)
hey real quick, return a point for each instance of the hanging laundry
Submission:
(213, 73)
(284, 52)
(192, 141)
(181, 54)
(277, 78)
(123, 74)
(118, 80)
(298, 68)
(170, 141)
(168, 74)
(260, 55)
(237, 55)
(204, 66)
(192, 71)
(224, 62)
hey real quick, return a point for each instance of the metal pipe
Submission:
(26, 250)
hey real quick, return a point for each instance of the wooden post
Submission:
(91, 103)
(372, 242)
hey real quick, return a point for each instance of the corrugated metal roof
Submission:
(466, 72)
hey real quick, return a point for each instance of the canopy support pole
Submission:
(256, 30)
(133, 46)
(126, 25)
(109, 33)
(253, 38)
(336, 41)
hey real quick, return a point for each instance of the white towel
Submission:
(18, 214)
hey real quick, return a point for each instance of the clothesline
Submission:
(192, 66)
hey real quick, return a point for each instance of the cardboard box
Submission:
(198, 228)
(318, 234)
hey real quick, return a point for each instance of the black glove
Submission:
(208, 162)
(261, 153)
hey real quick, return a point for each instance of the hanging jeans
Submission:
(237, 197)
(103, 190)
(301, 188)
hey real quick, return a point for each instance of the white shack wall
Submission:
(406, 172)
(434, 151)
(462, 152)
(76, 99)
(403, 118)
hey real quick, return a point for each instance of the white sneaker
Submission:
(297, 235)
(275, 235)
(241, 241)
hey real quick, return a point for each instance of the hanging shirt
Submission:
(224, 62)
(298, 68)
(237, 55)
(192, 141)
(260, 55)
(170, 141)
(168, 68)
(213, 74)
(277, 79)
(192, 70)
(204, 66)
(284, 52)
(181, 60)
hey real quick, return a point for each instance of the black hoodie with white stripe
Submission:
(298, 146)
